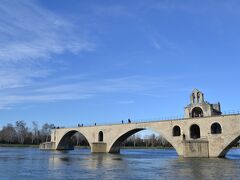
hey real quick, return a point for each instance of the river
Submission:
(32, 163)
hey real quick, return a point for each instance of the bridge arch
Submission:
(116, 143)
(65, 143)
(229, 146)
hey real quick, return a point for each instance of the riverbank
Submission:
(144, 147)
(130, 147)
(19, 145)
(84, 147)
(87, 147)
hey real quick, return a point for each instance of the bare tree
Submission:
(153, 139)
(46, 131)
(8, 134)
(35, 133)
(21, 130)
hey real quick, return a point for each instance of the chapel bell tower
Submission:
(198, 107)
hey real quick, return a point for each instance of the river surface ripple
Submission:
(32, 163)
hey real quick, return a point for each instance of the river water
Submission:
(32, 163)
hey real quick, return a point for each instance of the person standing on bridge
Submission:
(184, 137)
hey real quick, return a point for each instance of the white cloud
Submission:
(83, 89)
(15, 77)
(29, 36)
(30, 32)
(8, 101)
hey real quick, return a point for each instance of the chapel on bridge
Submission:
(198, 107)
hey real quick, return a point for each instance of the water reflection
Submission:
(30, 163)
(136, 164)
(207, 168)
(100, 164)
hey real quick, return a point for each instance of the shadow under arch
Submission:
(66, 142)
(115, 147)
(229, 146)
(117, 143)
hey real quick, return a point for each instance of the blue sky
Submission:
(81, 61)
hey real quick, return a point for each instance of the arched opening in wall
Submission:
(197, 112)
(100, 136)
(216, 128)
(198, 97)
(195, 131)
(140, 138)
(176, 131)
(193, 98)
(72, 139)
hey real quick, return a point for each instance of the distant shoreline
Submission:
(140, 147)
(19, 145)
(130, 147)
(87, 147)
(144, 147)
(81, 147)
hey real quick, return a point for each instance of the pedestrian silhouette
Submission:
(183, 136)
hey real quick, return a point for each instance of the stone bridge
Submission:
(204, 132)
(194, 137)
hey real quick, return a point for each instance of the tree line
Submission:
(20, 133)
(152, 140)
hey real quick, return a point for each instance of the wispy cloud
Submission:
(126, 102)
(84, 89)
(113, 10)
(163, 44)
(29, 36)
(30, 32)
(16, 77)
